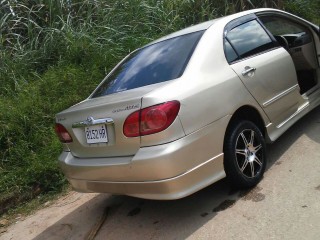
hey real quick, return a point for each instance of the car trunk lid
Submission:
(108, 114)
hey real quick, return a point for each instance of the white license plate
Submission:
(96, 134)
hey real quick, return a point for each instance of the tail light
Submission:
(62, 133)
(151, 120)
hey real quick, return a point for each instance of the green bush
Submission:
(307, 9)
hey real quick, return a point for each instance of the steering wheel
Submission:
(282, 41)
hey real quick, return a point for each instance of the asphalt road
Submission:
(285, 205)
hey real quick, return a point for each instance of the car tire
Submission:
(244, 154)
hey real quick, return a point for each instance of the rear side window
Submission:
(247, 39)
(160, 62)
(230, 53)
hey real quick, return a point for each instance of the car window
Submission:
(248, 39)
(280, 26)
(162, 61)
(231, 55)
(295, 35)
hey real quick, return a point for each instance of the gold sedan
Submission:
(194, 107)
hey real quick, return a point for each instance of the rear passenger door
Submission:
(265, 68)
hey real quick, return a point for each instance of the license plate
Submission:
(96, 134)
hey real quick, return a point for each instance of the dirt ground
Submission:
(285, 205)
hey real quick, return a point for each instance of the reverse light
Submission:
(151, 120)
(62, 133)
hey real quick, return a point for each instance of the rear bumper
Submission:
(167, 171)
(167, 189)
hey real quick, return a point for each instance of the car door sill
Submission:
(300, 109)
(310, 92)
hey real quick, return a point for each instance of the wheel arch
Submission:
(249, 113)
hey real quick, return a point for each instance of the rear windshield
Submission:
(160, 62)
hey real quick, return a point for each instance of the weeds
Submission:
(54, 53)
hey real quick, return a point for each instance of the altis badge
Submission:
(129, 107)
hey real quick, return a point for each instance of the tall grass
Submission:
(54, 53)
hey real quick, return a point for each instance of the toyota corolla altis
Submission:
(193, 107)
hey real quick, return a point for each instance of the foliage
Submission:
(307, 9)
(54, 53)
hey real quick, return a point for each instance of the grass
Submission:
(54, 53)
(26, 208)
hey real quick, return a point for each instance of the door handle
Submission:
(248, 70)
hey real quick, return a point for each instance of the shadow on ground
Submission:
(132, 218)
(309, 126)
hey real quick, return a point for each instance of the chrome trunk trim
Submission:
(91, 121)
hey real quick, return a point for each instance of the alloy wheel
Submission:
(249, 154)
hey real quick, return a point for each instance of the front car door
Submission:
(264, 67)
(300, 41)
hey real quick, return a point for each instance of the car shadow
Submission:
(308, 126)
(123, 217)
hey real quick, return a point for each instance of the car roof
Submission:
(191, 29)
(228, 18)
(207, 24)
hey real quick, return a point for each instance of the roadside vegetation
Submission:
(54, 53)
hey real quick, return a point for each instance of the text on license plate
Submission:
(96, 134)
